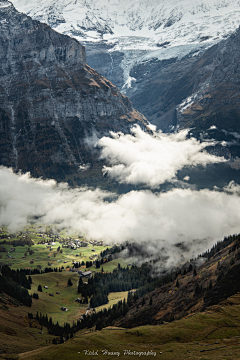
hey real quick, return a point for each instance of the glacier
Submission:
(145, 24)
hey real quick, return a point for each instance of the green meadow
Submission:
(109, 266)
(113, 299)
(46, 304)
(21, 258)
(45, 256)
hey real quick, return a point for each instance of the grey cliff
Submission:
(50, 100)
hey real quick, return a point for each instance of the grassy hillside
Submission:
(57, 282)
(212, 335)
(189, 291)
(19, 333)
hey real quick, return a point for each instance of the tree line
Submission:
(19, 242)
(15, 284)
(121, 279)
(220, 245)
(17, 276)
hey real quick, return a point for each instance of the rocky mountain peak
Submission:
(50, 99)
(35, 39)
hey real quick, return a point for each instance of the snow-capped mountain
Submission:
(150, 22)
(137, 44)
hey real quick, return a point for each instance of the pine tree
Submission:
(70, 282)
(99, 325)
(190, 268)
(210, 285)
(198, 289)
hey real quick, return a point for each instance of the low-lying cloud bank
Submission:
(196, 218)
(152, 160)
(158, 221)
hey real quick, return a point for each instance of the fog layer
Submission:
(158, 220)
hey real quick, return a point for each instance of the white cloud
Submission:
(140, 158)
(157, 220)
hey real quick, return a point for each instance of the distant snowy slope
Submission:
(158, 21)
(142, 46)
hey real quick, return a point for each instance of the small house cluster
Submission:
(96, 242)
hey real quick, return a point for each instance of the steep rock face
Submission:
(50, 99)
(214, 98)
(155, 80)
(207, 92)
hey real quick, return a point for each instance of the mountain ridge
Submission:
(138, 50)
(143, 19)
(51, 99)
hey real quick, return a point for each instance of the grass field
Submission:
(46, 304)
(21, 258)
(44, 257)
(57, 282)
(214, 335)
(113, 299)
(111, 265)
(15, 330)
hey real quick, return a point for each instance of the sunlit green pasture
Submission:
(45, 256)
(42, 255)
(113, 299)
(57, 282)
(109, 266)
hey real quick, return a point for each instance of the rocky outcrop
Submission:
(50, 99)
(215, 96)
(206, 92)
